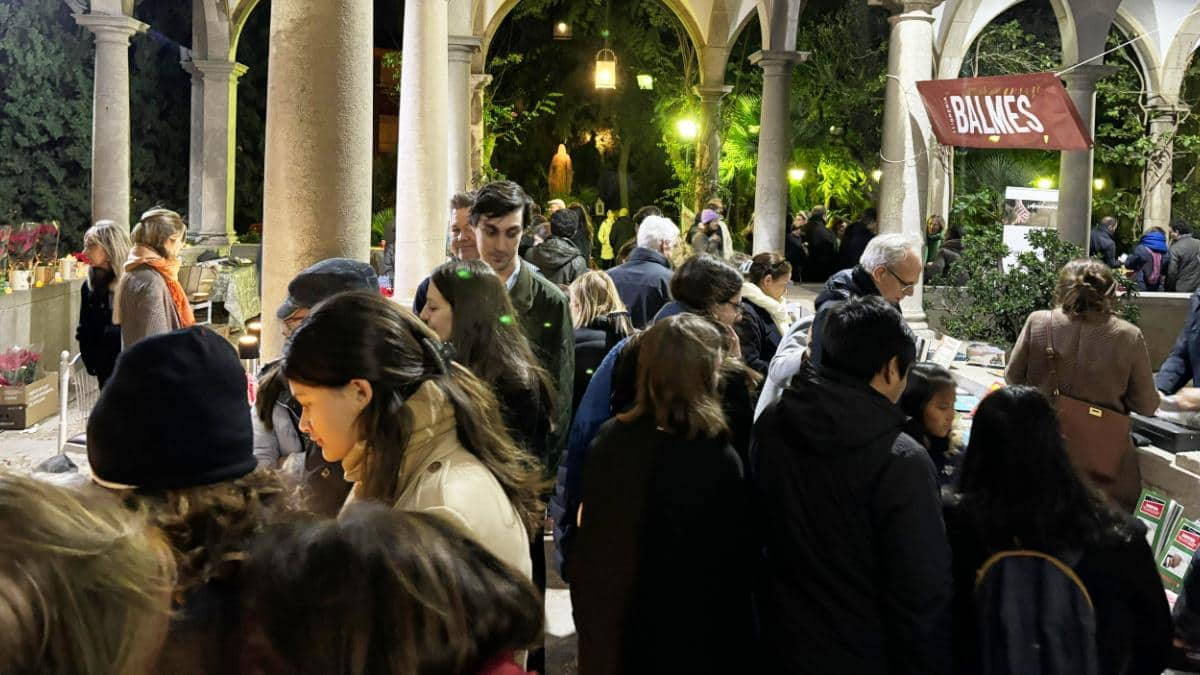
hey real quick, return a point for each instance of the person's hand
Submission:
(1188, 399)
(735, 344)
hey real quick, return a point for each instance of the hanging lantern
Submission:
(645, 81)
(562, 31)
(606, 69)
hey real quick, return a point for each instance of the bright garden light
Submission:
(1098, 184)
(1045, 183)
(562, 31)
(606, 69)
(645, 81)
(877, 175)
(796, 175)
(687, 129)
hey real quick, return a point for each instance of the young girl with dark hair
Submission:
(412, 428)
(928, 400)
(469, 308)
(660, 577)
(388, 593)
(1018, 490)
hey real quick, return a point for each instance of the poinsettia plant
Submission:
(82, 257)
(47, 243)
(22, 245)
(20, 366)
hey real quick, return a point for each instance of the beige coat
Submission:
(1101, 360)
(144, 306)
(438, 475)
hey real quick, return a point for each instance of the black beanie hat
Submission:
(174, 414)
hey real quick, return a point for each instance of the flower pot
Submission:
(44, 275)
(19, 280)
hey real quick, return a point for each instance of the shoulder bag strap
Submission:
(1048, 326)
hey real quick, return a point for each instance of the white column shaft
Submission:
(459, 108)
(1157, 181)
(1075, 168)
(422, 191)
(479, 82)
(317, 183)
(110, 114)
(708, 143)
(904, 162)
(774, 151)
(213, 161)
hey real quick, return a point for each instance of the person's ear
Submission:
(361, 392)
(892, 373)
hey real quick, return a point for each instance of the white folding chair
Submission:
(73, 376)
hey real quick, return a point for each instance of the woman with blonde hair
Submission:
(664, 513)
(107, 246)
(601, 321)
(85, 584)
(1097, 357)
(412, 428)
(150, 299)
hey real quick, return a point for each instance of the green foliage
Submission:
(1006, 48)
(45, 116)
(253, 51)
(994, 305)
(381, 222)
(510, 124)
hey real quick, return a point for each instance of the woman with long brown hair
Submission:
(664, 515)
(412, 428)
(468, 307)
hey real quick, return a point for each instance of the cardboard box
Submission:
(22, 407)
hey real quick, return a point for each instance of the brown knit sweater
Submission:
(1102, 360)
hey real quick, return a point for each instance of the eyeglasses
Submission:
(905, 285)
(737, 306)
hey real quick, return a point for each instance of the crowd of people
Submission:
(732, 487)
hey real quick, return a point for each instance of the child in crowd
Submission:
(929, 401)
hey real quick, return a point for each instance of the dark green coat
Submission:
(545, 316)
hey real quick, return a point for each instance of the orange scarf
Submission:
(145, 256)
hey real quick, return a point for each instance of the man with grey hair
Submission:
(889, 267)
(643, 280)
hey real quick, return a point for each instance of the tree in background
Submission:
(45, 116)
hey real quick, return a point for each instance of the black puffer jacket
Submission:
(99, 340)
(849, 283)
(856, 575)
(758, 335)
(558, 259)
(592, 344)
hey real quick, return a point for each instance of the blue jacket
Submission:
(643, 283)
(1184, 362)
(594, 410)
(1141, 261)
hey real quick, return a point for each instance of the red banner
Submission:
(1009, 111)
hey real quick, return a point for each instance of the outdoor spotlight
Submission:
(1098, 184)
(753, 129)
(687, 128)
(1045, 183)
(877, 175)
(606, 69)
(645, 81)
(796, 175)
(562, 31)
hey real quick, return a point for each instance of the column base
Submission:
(202, 239)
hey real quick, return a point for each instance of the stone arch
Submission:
(237, 19)
(1178, 58)
(779, 20)
(1147, 56)
(962, 21)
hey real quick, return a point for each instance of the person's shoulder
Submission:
(547, 292)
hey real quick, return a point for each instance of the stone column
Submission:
(214, 135)
(422, 193)
(904, 161)
(317, 171)
(461, 49)
(479, 82)
(1157, 184)
(774, 149)
(110, 114)
(708, 142)
(1075, 168)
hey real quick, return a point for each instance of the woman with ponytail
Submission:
(1097, 358)
(381, 394)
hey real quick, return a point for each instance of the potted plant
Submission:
(22, 252)
(19, 367)
(46, 253)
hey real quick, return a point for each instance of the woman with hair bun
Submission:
(764, 317)
(1097, 357)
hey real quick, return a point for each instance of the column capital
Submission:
(463, 47)
(1165, 111)
(780, 58)
(713, 94)
(111, 27)
(1085, 77)
(217, 70)
(904, 10)
(479, 81)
